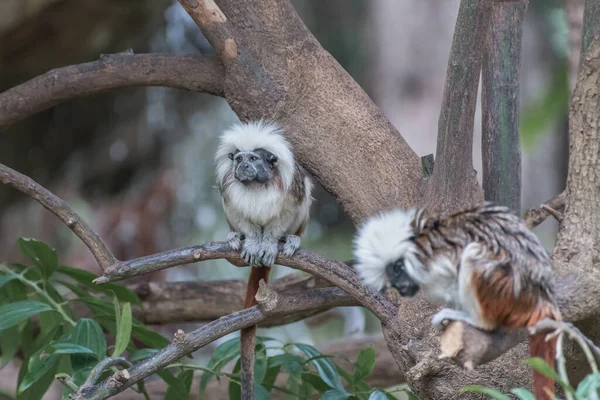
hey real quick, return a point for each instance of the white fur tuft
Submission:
(382, 239)
(251, 136)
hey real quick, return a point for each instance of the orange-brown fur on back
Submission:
(483, 261)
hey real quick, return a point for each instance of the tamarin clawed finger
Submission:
(483, 261)
(266, 198)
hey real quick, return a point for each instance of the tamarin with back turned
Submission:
(266, 198)
(482, 261)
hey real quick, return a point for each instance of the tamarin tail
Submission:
(543, 387)
(248, 335)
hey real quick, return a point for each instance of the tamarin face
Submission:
(399, 279)
(257, 165)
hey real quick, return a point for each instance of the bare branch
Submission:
(535, 216)
(188, 72)
(63, 211)
(500, 142)
(453, 172)
(335, 272)
(197, 301)
(270, 305)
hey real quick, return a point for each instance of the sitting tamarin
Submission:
(483, 261)
(266, 199)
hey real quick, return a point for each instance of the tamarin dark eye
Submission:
(238, 159)
(230, 156)
(253, 158)
(272, 158)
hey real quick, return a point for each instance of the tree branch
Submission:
(591, 21)
(335, 272)
(500, 142)
(535, 216)
(63, 211)
(173, 302)
(270, 305)
(453, 172)
(189, 72)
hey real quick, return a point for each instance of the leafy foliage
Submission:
(36, 319)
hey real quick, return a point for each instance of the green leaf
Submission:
(285, 358)
(222, 355)
(180, 388)
(315, 381)
(6, 278)
(325, 367)
(39, 365)
(260, 393)
(334, 395)
(260, 363)
(123, 331)
(538, 364)
(13, 313)
(85, 278)
(42, 255)
(68, 348)
(493, 393)
(364, 364)
(235, 388)
(377, 395)
(142, 354)
(10, 340)
(588, 387)
(80, 376)
(270, 377)
(523, 394)
(149, 337)
(88, 333)
(39, 386)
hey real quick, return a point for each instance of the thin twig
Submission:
(67, 381)
(63, 211)
(113, 71)
(591, 351)
(535, 216)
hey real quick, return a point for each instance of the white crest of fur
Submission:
(251, 136)
(382, 239)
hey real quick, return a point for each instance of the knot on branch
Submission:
(179, 338)
(118, 379)
(266, 298)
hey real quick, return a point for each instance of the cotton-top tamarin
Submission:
(267, 199)
(483, 261)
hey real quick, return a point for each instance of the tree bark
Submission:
(500, 142)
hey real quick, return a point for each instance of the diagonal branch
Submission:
(188, 72)
(63, 211)
(270, 305)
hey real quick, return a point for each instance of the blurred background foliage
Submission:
(137, 163)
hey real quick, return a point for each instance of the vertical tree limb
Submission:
(591, 23)
(453, 173)
(500, 144)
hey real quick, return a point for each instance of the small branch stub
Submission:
(179, 337)
(266, 298)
